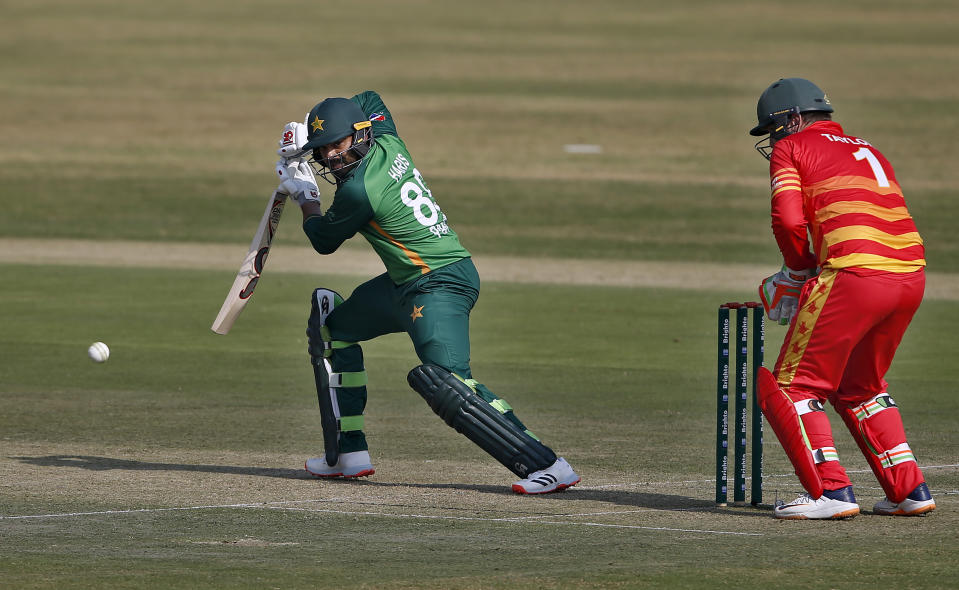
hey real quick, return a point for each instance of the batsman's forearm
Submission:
(347, 214)
(311, 209)
(327, 232)
(323, 242)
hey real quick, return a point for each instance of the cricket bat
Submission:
(252, 266)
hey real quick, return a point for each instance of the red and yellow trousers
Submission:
(838, 349)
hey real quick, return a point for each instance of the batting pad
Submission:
(461, 408)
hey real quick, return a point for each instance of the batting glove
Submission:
(292, 140)
(297, 181)
(780, 293)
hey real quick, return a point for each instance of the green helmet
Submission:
(332, 120)
(329, 122)
(786, 97)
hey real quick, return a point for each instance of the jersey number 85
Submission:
(417, 196)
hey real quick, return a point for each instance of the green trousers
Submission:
(433, 309)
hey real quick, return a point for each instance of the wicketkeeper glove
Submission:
(297, 181)
(292, 140)
(780, 293)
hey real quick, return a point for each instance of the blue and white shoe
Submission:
(918, 502)
(355, 464)
(833, 504)
(555, 478)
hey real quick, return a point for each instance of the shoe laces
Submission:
(803, 499)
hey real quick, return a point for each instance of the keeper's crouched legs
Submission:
(483, 418)
(876, 425)
(341, 391)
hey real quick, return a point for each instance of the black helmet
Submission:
(329, 122)
(785, 97)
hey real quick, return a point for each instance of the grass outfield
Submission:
(177, 464)
(163, 116)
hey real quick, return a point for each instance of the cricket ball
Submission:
(99, 352)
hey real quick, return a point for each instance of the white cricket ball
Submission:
(99, 352)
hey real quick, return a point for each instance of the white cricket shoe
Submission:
(355, 464)
(555, 478)
(918, 502)
(833, 504)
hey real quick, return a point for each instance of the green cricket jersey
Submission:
(387, 201)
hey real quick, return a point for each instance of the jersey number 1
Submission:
(877, 171)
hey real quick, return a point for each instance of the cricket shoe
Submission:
(555, 478)
(355, 464)
(917, 503)
(833, 504)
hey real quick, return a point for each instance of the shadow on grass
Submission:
(623, 498)
(93, 463)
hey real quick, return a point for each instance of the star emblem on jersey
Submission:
(317, 124)
(417, 312)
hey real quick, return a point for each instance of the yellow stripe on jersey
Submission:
(785, 179)
(843, 207)
(784, 175)
(861, 183)
(874, 261)
(804, 326)
(788, 172)
(785, 188)
(413, 256)
(865, 232)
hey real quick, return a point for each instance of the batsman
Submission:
(852, 279)
(428, 290)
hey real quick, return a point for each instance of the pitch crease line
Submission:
(130, 511)
(172, 509)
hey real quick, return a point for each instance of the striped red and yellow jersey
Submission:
(839, 195)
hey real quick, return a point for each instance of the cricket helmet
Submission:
(786, 97)
(329, 122)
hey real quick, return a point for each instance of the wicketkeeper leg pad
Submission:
(876, 424)
(325, 353)
(458, 404)
(784, 418)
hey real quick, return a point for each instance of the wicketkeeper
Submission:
(853, 276)
(429, 287)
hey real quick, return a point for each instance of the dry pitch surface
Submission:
(410, 490)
